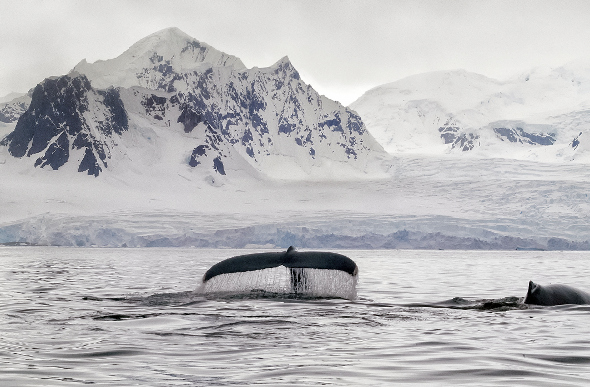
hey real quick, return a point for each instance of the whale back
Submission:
(555, 294)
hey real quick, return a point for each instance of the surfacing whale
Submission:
(292, 259)
(555, 295)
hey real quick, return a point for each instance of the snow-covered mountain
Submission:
(13, 106)
(180, 104)
(541, 115)
(156, 61)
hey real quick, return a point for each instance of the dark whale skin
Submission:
(551, 295)
(291, 259)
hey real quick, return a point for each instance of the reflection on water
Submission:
(133, 317)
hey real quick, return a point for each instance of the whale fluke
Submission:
(292, 259)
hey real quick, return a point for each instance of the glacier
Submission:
(437, 203)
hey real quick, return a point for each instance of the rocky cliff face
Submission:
(67, 117)
(227, 117)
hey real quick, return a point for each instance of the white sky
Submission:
(342, 48)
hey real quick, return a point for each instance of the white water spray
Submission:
(283, 282)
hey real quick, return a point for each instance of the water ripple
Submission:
(130, 317)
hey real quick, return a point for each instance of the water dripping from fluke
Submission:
(289, 274)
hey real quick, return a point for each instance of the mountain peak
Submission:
(284, 60)
(285, 66)
(171, 32)
(170, 40)
(194, 108)
(163, 52)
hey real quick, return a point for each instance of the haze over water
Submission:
(73, 316)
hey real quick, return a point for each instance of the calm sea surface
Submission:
(131, 317)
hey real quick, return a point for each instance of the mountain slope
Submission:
(67, 116)
(182, 100)
(457, 112)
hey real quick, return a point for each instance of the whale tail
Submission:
(308, 273)
(291, 259)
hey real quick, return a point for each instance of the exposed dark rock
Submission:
(247, 137)
(576, 141)
(335, 124)
(89, 163)
(57, 153)
(449, 133)
(56, 115)
(118, 122)
(286, 126)
(155, 106)
(465, 141)
(189, 118)
(218, 166)
(520, 136)
(355, 123)
(201, 150)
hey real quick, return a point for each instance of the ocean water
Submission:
(135, 317)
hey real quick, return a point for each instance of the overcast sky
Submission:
(342, 48)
